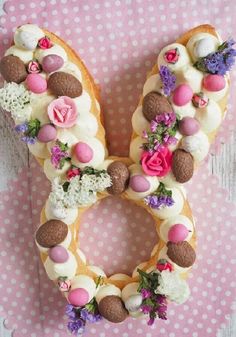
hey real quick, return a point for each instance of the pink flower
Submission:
(33, 67)
(200, 100)
(164, 266)
(73, 172)
(157, 163)
(64, 285)
(45, 43)
(62, 112)
(171, 56)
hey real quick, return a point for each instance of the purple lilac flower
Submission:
(167, 118)
(89, 316)
(70, 311)
(21, 127)
(158, 202)
(29, 140)
(153, 126)
(57, 156)
(146, 309)
(168, 80)
(76, 327)
(169, 140)
(145, 293)
(150, 321)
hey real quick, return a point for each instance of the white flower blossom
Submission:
(81, 191)
(173, 286)
(16, 99)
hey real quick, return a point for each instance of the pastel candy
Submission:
(51, 63)
(182, 94)
(36, 83)
(139, 183)
(58, 254)
(177, 233)
(214, 82)
(78, 297)
(47, 133)
(83, 152)
(188, 126)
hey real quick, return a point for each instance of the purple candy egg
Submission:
(58, 254)
(139, 183)
(52, 63)
(47, 133)
(188, 126)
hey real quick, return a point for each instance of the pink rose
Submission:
(200, 100)
(45, 43)
(64, 285)
(171, 56)
(73, 172)
(62, 112)
(164, 265)
(33, 67)
(157, 163)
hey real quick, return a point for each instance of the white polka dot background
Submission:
(119, 42)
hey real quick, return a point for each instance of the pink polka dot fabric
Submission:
(119, 42)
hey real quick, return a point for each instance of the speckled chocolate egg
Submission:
(155, 104)
(51, 233)
(13, 69)
(113, 309)
(182, 165)
(181, 253)
(64, 84)
(119, 174)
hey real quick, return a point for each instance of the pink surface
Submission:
(119, 41)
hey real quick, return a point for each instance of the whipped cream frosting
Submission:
(67, 269)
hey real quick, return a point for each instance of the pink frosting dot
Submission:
(58, 254)
(139, 183)
(177, 233)
(47, 133)
(78, 297)
(182, 94)
(36, 83)
(83, 152)
(214, 82)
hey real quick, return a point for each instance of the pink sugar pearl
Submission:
(83, 152)
(182, 94)
(78, 297)
(36, 83)
(177, 233)
(58, 254)
(47, 133)
(214, 82)
(139, 183)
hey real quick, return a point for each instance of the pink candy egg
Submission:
(47, 133)
(83, 152)
(139, 184)
(188, 126)
(36, 83)
(182, 94)
(52, 63)
(78, 297)
(58, 254)
(214, 82)
(177, 233)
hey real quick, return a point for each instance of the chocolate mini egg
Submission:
(36, 83)
(47, 133)
(83, 152)
(182, 95)
(52, 63)
(188, 126)
(64, 84)
(58, 254)
(13, 69)
(155, 104)
(138, 183)
(182, 165)
(214, 82)
(119, 174)
(113, 309)
(51, 233)
(181, 253)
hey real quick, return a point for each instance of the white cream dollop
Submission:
(66, 137)
(54, 50)
(85, 282)
(67, 269)
(107, 290)
(51, 172)
(182, 61)
(175, 209)
(27, 36)
(191, 76)
(132, 299)
(83, 103)
(86, 126)
(217, 95)
(39, 150)
(179, 219)
(72, 69)
(198, 145)
(67, 215)
(153, 83)
(39, 104)
(202, 44)
(136, 149)
(25, 55)
(187, 110)
(209, 117)
(139, 122)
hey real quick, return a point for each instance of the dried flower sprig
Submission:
(59, 154)
(168, 80)
(29, 130)
(219, 62)
(160, 198)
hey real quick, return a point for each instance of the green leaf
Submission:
(33, 128)
(65, 186)
(63, 147)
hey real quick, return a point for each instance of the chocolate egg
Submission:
(112, 308)
(51, 63)
(155, 104)
(119, 174)
(182, 165)
(47, 133)
(188, 126)
(181, 253)
(13, 69)
(51, 233)
(64, 84)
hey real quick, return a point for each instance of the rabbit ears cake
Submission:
(55, 105)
